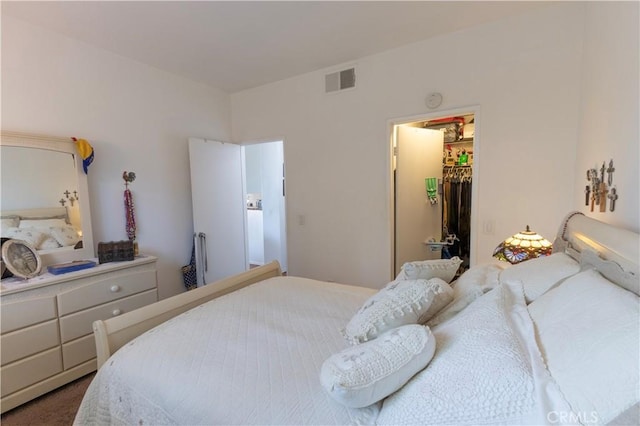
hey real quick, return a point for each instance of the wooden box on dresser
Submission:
(46, 323)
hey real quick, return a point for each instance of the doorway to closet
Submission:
(433, 166)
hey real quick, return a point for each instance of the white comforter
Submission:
(250, 357)
(254, 356)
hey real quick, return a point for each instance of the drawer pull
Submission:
(115, 288)
(116, 312)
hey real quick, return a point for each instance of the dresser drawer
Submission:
(80, 323)
(106, 289)
(28, 371)
(78, 351)
(28, 312)
(29, 341)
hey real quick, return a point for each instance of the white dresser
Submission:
(46, 323)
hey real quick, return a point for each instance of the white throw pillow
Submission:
(445, 269)
(540, 274)
(589, 335)
(48, 243)
(7, 222)
(399, 303)
(472, 284)
(32, 236)
(364, 374)
(66, 235)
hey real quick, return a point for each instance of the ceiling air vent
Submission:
(340, 80)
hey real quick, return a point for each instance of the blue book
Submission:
(77, 265)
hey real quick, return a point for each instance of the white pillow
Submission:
(9, 222)
(589, 335)
(41, 223)
(445, 269)
(540, 274)
(364, 374)
(399, 303)
(32, 236)
(472, 284)
(66, 235)
(48, 243)
(484, 277)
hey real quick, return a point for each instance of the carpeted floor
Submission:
(56, 408)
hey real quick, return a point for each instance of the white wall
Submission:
(137, 118)
(22, 186)
(523, 72)
(609, 108)
(253, 175)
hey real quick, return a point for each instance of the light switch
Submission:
(488, 227)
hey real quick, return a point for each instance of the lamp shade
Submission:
(522, 246)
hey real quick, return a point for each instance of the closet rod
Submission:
(447, 166)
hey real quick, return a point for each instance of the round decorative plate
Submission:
(21, 258)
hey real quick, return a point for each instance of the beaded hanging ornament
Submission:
(128, 205)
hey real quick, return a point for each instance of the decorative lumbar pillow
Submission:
(399, 303)
(587, 330)
(541, 274)
(364, 374)
(65, 235)
(445, 269)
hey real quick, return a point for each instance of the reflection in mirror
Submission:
(44, 197)
(35, 178)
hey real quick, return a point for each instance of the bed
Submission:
(553, 340)
(45, 229)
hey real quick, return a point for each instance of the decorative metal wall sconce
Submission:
(599, 191)
(69, 197)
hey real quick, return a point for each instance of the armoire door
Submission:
(418, 156)
(219, 209)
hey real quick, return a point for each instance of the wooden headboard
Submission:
(613, 251)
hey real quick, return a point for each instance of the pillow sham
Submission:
(588, 334)
(398, 303)
(9, 222)
(363, 375)
(41, 223)
(472, 284)
(445, 269)
(32, 236)
(48, 243)
(66, 235)
(540, 274)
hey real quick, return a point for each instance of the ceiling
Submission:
(236, 45)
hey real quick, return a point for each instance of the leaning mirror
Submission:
(44, 197)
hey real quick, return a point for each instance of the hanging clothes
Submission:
(464, 220)
(456, 213)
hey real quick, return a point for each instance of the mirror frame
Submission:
(64, 145)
